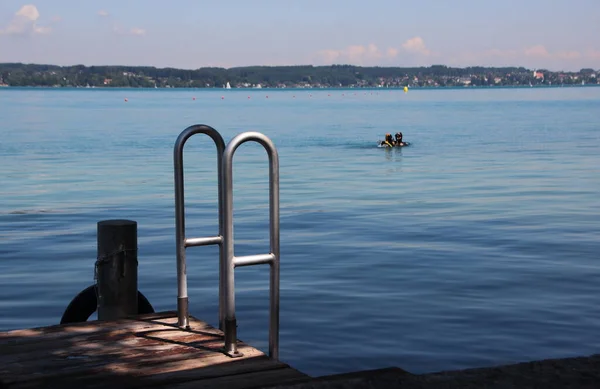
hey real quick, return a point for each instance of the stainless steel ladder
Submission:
(227, 260)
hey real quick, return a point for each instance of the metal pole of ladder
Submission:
(272, 258)
(182, 242)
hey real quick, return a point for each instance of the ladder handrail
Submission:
(181, 242)
(272, 258)
(227, 261)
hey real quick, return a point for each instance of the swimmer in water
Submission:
(388, 140)
(398, 141)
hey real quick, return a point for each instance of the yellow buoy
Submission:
(405, 89)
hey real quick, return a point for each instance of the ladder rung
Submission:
(207, 241)
(249, 260)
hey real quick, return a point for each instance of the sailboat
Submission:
(227, 86)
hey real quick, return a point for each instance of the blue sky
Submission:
(551, 34)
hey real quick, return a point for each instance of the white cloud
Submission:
(25, 22)
(537, 51)
(568, 54)
(373, 55)
(540, 51)
(536, 56)
(416, 45)
(128, 31)
(29, 12)
(118, 28)
(392, 52)
(357, 54)
(486, 57)
(593, 54)
(42, 30)
(137, 31)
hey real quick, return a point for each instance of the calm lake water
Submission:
(476, 245)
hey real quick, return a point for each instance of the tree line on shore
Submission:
(19, 74)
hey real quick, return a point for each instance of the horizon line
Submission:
(303, 65)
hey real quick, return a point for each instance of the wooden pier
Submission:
(150, 351)
(145, 351)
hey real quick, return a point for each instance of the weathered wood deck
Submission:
(149, 351)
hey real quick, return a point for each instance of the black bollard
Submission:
(116, 269)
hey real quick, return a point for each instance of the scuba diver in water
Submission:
(391, 142)
(388, 140)
(398, 141)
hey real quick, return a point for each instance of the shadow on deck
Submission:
(150, 351)
(147, 351)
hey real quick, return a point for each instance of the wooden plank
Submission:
(152, 357)
(66, 331)
(99, 330)
(145, 351)
(167, 315)
(259, 363)
(23, 350)
(134, 381)
(242, 381)
(85, 343)
(12, 341)
(115, 373)
(80, 357)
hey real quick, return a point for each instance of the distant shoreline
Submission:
(251, 90)
(288, 77)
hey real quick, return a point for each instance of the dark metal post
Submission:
(116, 269)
